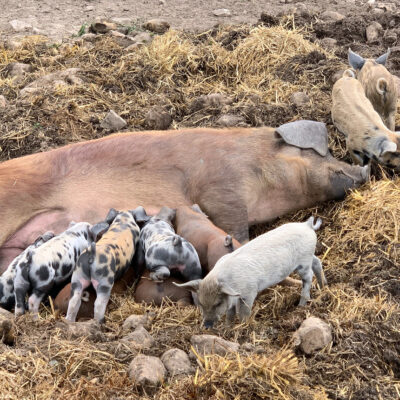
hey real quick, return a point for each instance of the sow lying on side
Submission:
(232, 286)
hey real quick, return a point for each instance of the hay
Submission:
(259, 68)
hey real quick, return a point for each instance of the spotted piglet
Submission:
(7, 297)
(164, 250)
(104, 262)
(51, 264)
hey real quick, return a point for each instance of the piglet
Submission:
(233, 284)
(51, 263)
(163, 249)
(104, 262)
(7, 297)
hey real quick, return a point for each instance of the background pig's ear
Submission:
(225, 288)
(356, 61)
(388, 147)
(98, 230)
(306, 135)
(167, 213)
(196, 207)
(191, 285)
(111, 216)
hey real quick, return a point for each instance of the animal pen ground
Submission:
(257, 69)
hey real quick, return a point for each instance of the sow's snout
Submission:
(348, 177)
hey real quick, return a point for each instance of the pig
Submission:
(379, 85)
(367, 137)
(150, 292)
(165, 251)
(239, 176)
(104, 262)
(50, 264)
(210, 242)
(7, 297)
(233, 284)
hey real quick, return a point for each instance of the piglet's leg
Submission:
(77, 287)
(244, 307)
(20, 294)
(103, 292)
(306, 276)
(34, 302)
(230, 315)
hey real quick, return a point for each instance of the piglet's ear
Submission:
(140, 215)
(98, 230)
(226, 289)
(111, 215)
(71, 224)
(191, 285)
(388, 147)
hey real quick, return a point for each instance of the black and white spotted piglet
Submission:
(104, 262)
(7, 297)
(50, 264)
(164, 250)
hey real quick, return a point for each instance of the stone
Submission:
(147, 372)
(213, 100)
(89, 8)
(102, 27)
(88, 329)
(389, 38)
(60, 78)
(328, 43)
(3, 102)
(299, 99)
(222, 12)
(177, 362)
(88, 37)
(116, 34)
(373, 32)
(390, 7)
(378, 11)
(18, 69)
(139, 339)
(134, 321)
(156, 25)
(313, 335)
(251, 348)
(113, 122)
(210, 344)
(14, 43)
(142, 38)
(331, 16)
(228, 120)
(19, 25)
(121, 20)
(7, 327)
(158, 119)
(268, 19)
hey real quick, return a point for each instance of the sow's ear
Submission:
(383, 58)
(191, 285)
(356, 61)
(306, 135)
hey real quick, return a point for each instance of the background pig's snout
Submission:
(208, 324)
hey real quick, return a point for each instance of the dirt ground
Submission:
(257, 66)
(63, 18)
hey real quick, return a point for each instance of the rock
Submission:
(89, 8)
(378, 11)
(328, 43)
(299, 99)
(116, 34)
(139, 339)
(7, 327)
(18, 69)
(177, 362)
(113, 122)
(134, 321)
(157, 118)
(313, 334)
(19, 25)
(140, 39)
(156, 25)
(59, 78)
(222, 12)
(3, 102)
(303, 10)
(102, 27)
(269, 20)
(121, 20)
(13, 43)
(210, 344)
(389, 38)
(251, 348)
(374, 32)
(391, 7)
(331, 16)
(88, 37)
(214, 100)
(228, 120)
(147, 372)
(88, 329)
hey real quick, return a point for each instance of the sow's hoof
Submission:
(151, 292)
(87, 307)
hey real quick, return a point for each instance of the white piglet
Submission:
(233, 284)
